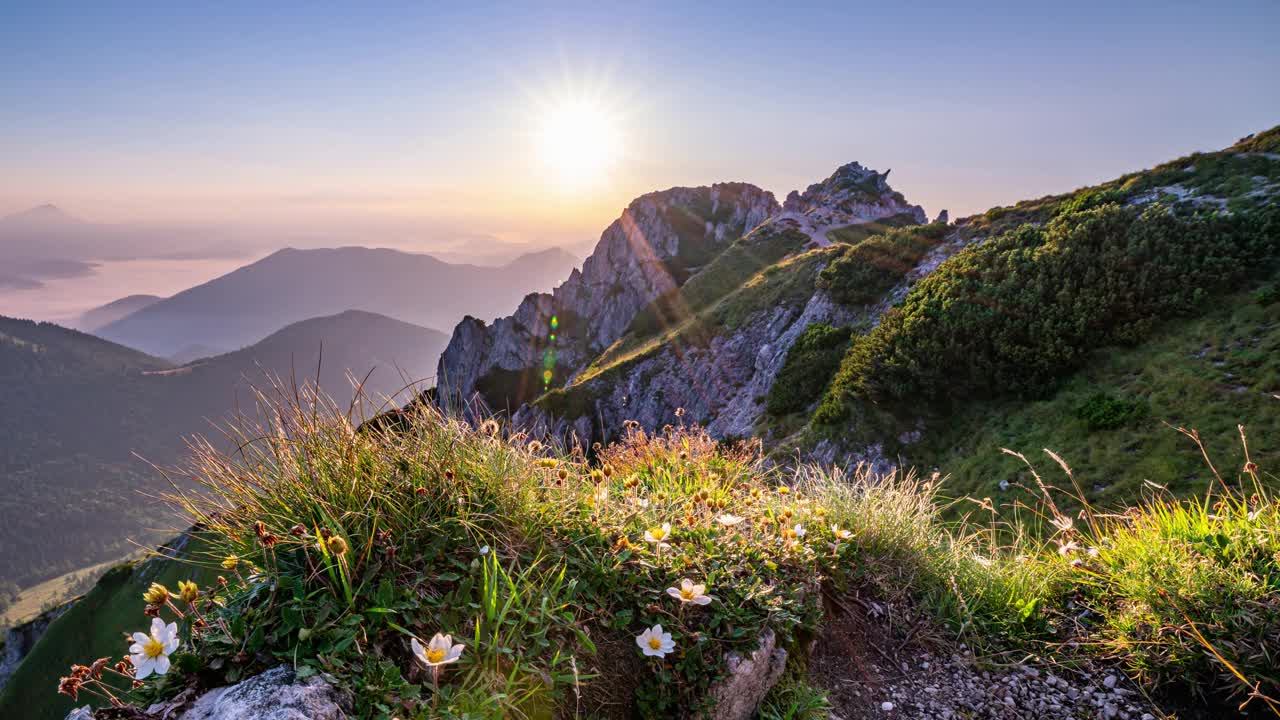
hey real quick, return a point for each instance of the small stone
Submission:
(1109, 682)
(886, 706)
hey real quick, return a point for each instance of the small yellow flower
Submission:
(230, 562)
(157, 594)
(188, 591)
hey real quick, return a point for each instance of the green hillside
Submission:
(1076, 322)
(93, 627)
(79, 413)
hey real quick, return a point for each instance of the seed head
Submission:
(337, 545)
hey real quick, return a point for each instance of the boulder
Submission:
(277, 694)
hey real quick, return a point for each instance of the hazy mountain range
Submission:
(291, 285)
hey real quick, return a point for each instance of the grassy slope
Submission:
(788, 281)
(1210, 373)
(92, 628)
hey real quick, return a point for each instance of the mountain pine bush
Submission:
(1014, 314)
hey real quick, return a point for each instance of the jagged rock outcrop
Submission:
(853, 194)
(660, 239)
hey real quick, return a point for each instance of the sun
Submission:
(579, 140)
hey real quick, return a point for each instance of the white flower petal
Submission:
(172, 645)
(135, 649)
(703, 600)
(157, 628)
(144, 668)
(674, 593)
(140, 638)
(162, 664)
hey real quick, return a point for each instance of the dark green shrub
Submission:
(1267, 294)
(1105, 412)
(810, 363)
(1090, 199)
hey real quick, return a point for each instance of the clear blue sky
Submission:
(287, 111)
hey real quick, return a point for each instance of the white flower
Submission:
(690, 593)
(840, 534)
(640, 502)
(150, 653)
(1067, 548)
(484, 550)
(655, 643)
(728, 520)
(602, 494)
(440, 651)
(658, 535)
(798, 530)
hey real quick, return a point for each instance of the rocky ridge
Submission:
(720, 381)
(660, 239)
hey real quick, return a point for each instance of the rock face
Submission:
(739, 694)
(21, 638)
(660, 239)
(722, 380)
(277, 694)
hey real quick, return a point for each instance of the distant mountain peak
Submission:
(46, 215)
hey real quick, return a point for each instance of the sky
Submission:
(375, 121)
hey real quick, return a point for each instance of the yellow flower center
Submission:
(434, 655)
(658, 533)
(153, 649)
(686, 594)
(655, 643)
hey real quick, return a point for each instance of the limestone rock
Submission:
(750, 678)
(276, 694)
(943, 218)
